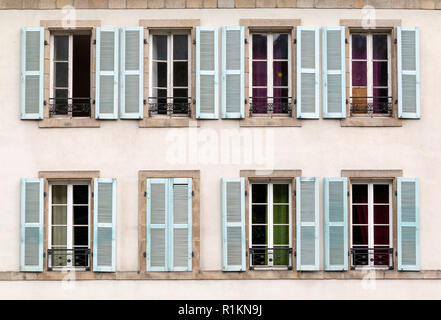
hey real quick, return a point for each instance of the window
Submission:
(372, 224)
(371, 81)
(70, 68)
(170, 71)
(271, 226)
(270, 75)
(68, 232)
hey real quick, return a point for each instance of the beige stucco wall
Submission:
(119, 148)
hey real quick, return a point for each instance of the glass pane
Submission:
(59, 258)
(260, 234)
(81, 236)
(360, 235)
(381, 100)
(259, 193)
(61, 46)
(381, 235)
(259, 46)
(280, 46)
(81, 194)
(180, 47)
(59, 236)
(359, 46)
(380, 46)
(180, 74)
(280, 105)
(259, 100)
(59, 194)
(359, 214)
(259, 73)
(281, 193)
(380, 73)
(80, 215)
(61, 74)
(381, 256)
(359, 73)
(281, 235)
(159, 78)
(259, 214)
(359, 193)
(59, 215)
(161, 102)
(180, 101)
(280, 73)
(381, 193)
(381, 214)
(160, 47)
(281, 214)
(361, 256)
(80, 258)
(260, 256)
(281, 256)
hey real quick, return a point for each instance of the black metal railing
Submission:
(270, 105)
(377, 257)
(380, 106)
(270, 258)
(170, 106)
(77, 258)
(75, 107)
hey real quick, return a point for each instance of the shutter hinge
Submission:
(245, 40)
(192, 254)
(290, 268)
(246, 193)
(346, 40)
(91, 254)
(144, 101)
(348, 193)
(192, 193)
(44, 194)
(246, 101)
(295, 41)
(44, 102)
(295, 253)
(92, 194)
(46, 43)
(144, 254)
(194, 41)
(93, 102)
(295, 101)
(194, 101)
(396, 193)
(396, 101)
(145, 193)
(145, 41)
(295, 193)
(246, 253)
(395, 41)
(94, 41)
(44, 254)
(347, 101)
(349, 253)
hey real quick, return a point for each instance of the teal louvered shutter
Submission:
(32, 73)
(180, 219)
(106, 102)
(333, 72)
(233, 99)
(308, 99)
(408, 220)
(157, 224)
(207, 96)
(104, 225)
(307, 224)
(408, 41)
(32, 224)
(233, 224)
(335, 197)
(132, 73)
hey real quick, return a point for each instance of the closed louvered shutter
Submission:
(106, 102)
(31, 231)
(207, 97)
(104, 225)
(32, 73)
(307, 222)
(233, 224)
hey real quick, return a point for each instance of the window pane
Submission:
(281, 256)
(280, 73)
(61, 44)
(159, 78)
(281, 235)
(359, 46)
(180, 47)
(281, 193)
(359, 193)
(381, 235)
(381, 214)
(160, 47)
(280, 104)
(180, 74)
(260, 256)
(280, 46)
(259, 193)
(81, 237)
(259, 214)
(59, 258)
(260, 234)
(80, 215)
(59, 236)
(259, 73)
(180, 101)
(259, 100)
(162, 101)
(381, 100)
(380, 73)
(359, 214)
(359, 73)
(259, 46)
(61, 74)
(81, 194)
(59, 215)
(281, 214)
(59, 194)
(360, 235)
(380, 46)
(381, 193)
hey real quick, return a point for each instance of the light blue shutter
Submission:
(233, 99)
(32, 222)
(180, 218)
(207, 96)
(132, 73)
(408, 211)
(104, 225)
(308, 98)
(157, 224)
(106, 102)
(233, 224)
(307, 224)
(32, 73)
(335, 196)
(408, 40)
(333, 72)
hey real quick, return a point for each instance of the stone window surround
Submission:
(68, 121)
(266, 25)
(164, 24)
(357, 121)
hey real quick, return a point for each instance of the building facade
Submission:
(209, 149)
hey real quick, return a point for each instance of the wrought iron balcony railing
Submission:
(374, 257)
(77, 258)
(270, 105)
(75, 107)
(170, 106)
(372, 106)
(270, 258)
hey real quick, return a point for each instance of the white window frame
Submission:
(69, 224)
(370, 204)
(370, 60)
(270, 224)
(269, 64)
(170, 72)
